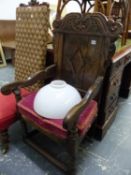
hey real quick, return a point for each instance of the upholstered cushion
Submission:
(55, 126)
(8, 109)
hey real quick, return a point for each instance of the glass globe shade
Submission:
(56, 99)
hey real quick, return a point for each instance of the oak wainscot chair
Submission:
(81, 47)
(31, 45)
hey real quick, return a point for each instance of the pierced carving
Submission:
(34, 3)
(91, 24)
(84, 5)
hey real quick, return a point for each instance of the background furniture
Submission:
(125, 88)
(31, 43)
(118, 75)
(117, 82)
(103, 6)
(84, 6)
(119, 11)
(2, 57)
(31, 40)
(130, 24)
(7, 38)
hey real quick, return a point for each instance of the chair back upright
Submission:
(32, 24)
(118, 10)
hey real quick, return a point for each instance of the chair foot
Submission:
(4, 140)
(71, 172)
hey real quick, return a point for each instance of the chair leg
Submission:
(24, 127)
(72, 149)
(4, 140)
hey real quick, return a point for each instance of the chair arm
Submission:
(41, 75)
(72, 116)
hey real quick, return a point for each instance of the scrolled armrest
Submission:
(41, 75)
(72, 116)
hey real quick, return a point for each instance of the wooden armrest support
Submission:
(41, 75)
(72, 116)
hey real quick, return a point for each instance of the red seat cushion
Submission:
(8, 109)
(55, 126)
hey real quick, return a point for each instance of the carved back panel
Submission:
(82, 43)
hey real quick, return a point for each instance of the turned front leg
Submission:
(4, 141)
(72, 148)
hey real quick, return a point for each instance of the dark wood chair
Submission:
(82, 47)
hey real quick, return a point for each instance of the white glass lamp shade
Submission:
(56, 99)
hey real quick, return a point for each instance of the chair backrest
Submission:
(118, 10)
(103, 6)
(82, 44)
(84, 6)
(121, 12)
(32, 24)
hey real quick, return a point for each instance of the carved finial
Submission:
(33, 2)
